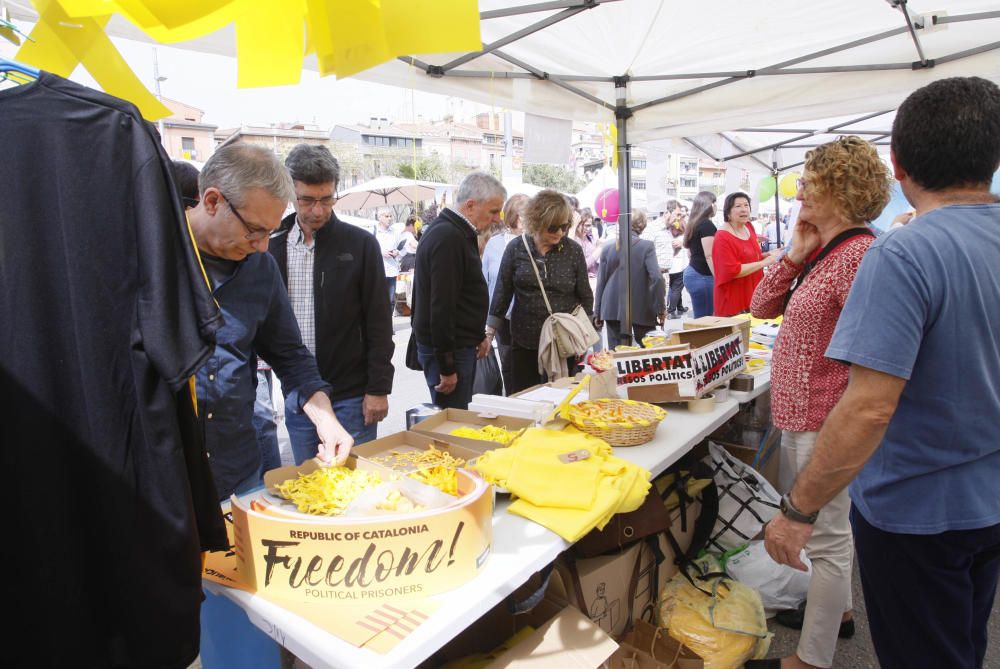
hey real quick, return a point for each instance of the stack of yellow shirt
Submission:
(569, 498)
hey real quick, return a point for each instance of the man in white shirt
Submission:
(388, 241)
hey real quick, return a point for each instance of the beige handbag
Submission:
(579, 314)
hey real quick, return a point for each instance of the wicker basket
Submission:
(620, 433)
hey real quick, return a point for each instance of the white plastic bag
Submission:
(780, 587)
(746, 500)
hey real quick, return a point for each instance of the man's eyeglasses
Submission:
(323, 202)
(254, 233)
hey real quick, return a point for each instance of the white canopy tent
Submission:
(734, 79)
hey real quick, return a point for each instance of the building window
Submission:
(689, 166)
(689, 182)
(639, 184)
(639, 164)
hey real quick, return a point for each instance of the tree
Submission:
(425, 169)
(552, 176)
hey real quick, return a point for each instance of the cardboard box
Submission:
(601, 585)
(735, 322)
(440, 425)
(340, 559)
(412, 441)
(550, 634)
(695, 362)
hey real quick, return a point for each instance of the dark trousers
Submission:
(526, 374)
(615, 333)
(465, 367)
(928, 597)
(676, 292)
(506, 361)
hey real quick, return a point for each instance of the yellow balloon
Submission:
(788, 185)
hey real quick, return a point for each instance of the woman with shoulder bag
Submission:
(844, 185)
(544, 273)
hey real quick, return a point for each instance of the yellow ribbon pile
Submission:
(272, 38)
(570, 498)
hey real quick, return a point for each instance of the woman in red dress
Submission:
(737, 258)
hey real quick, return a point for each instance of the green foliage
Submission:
(425, 169)
(552, 176)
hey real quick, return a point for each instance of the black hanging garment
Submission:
(104, 316)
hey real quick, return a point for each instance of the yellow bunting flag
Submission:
(62, 42)
(270, 42)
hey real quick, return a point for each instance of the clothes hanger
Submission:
(19, 68)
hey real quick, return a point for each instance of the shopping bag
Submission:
(746, 500)
(780, 587)
(488, 379)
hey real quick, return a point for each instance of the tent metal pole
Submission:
(552, 78)
(513, 37)
(771, 68)
(968, 52)
(739, 146)
(622, 113)
(815, 131)
(701, 148)
(777, 199)
(901, 5)
(539, 7)
(805, 135)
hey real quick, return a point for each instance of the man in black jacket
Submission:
(450, 299)
(336, 283)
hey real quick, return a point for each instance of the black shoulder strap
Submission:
(850, 233)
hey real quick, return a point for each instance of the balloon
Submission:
(766, 188)
(788, 186)
(606, 204)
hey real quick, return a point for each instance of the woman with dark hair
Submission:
(698, 238)
(561, 268)
(844, 185)
(737, 260)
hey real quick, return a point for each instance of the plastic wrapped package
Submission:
(721, 620)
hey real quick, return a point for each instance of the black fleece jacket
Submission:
(450, 298)
(353, 326)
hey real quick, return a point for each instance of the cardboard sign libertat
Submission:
(698, 361)
(352, 559)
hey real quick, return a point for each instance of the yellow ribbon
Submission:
(347, 36)
(62, 42)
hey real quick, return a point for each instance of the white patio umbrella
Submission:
(382, 192)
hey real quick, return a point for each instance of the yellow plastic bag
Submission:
(721, 620)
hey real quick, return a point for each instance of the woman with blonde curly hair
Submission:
(562, 268)
(845, 185)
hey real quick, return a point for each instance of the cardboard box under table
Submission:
(695, 362)
(551, 634)
(614, 589)
(440, 426)
(344, 559)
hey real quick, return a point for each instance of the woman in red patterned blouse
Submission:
(736, 257)
(845, 184)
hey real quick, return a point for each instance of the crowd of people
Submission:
(907, 429)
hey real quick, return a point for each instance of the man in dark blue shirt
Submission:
(244, 193)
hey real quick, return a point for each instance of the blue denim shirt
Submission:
(258, 320)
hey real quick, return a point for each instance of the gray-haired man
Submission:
(450, 298)
(244, 192)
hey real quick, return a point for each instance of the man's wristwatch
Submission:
(790, 512)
